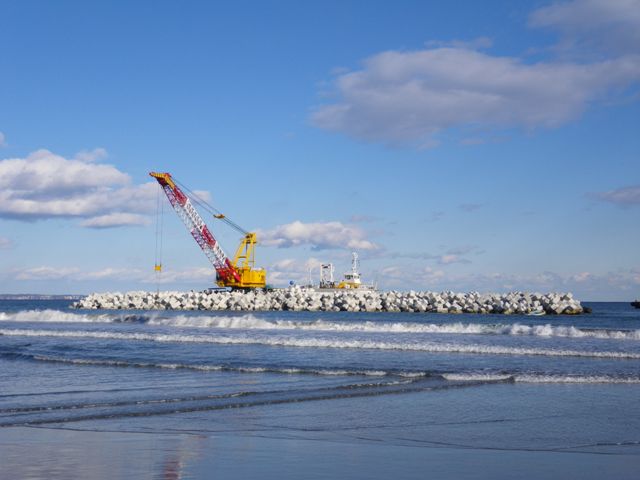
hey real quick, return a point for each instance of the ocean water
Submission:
(413, 387)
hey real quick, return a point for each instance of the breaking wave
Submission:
(67, 317)
(251, 322)
(310, 342)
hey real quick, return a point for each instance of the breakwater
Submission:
(298, 298)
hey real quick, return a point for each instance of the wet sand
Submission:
(47, 453)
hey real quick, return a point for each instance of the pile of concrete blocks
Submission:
(298, 298)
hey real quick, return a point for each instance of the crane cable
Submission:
(159, 230)
(212, 210)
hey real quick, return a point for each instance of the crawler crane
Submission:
(238, 274)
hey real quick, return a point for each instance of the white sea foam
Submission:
(217, 368)
(251, 322)
(535, 378)
(575, 379)
(310, 342)
(58, 316)
(473, 377)
(458, 377)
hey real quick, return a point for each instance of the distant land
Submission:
(33, 296)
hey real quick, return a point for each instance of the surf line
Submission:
(327, 343)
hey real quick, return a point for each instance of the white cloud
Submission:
(187, 275)
(585, 286)
(611, 24)
(116, 220)
(118, 274)
(624, 196)
(94, 156)
(45, 273)
(3, 142)
(7, 244)
(321, 236)
(45, 185)
(287, 270)
(451, 258)
(581, 277)
(408, 97)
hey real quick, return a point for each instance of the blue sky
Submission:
(487, 146)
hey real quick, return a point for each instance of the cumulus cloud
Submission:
(624, 196)
(449, 258)
(45, 185)
(295, 270)
(608, 24)
(455, 256)
(321, 236)
(3, 142)
(581, 277)
(95, 155)
(7, 244)
(408, 97)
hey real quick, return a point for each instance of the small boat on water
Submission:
(350, 279)
(536, 312)
(635, 304)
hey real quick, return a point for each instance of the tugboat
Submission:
(350, 279)
(635, 304)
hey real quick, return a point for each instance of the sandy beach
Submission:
(33, 453)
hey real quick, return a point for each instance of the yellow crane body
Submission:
(239, 273)
(244, 261)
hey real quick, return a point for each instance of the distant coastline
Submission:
(32, 296)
